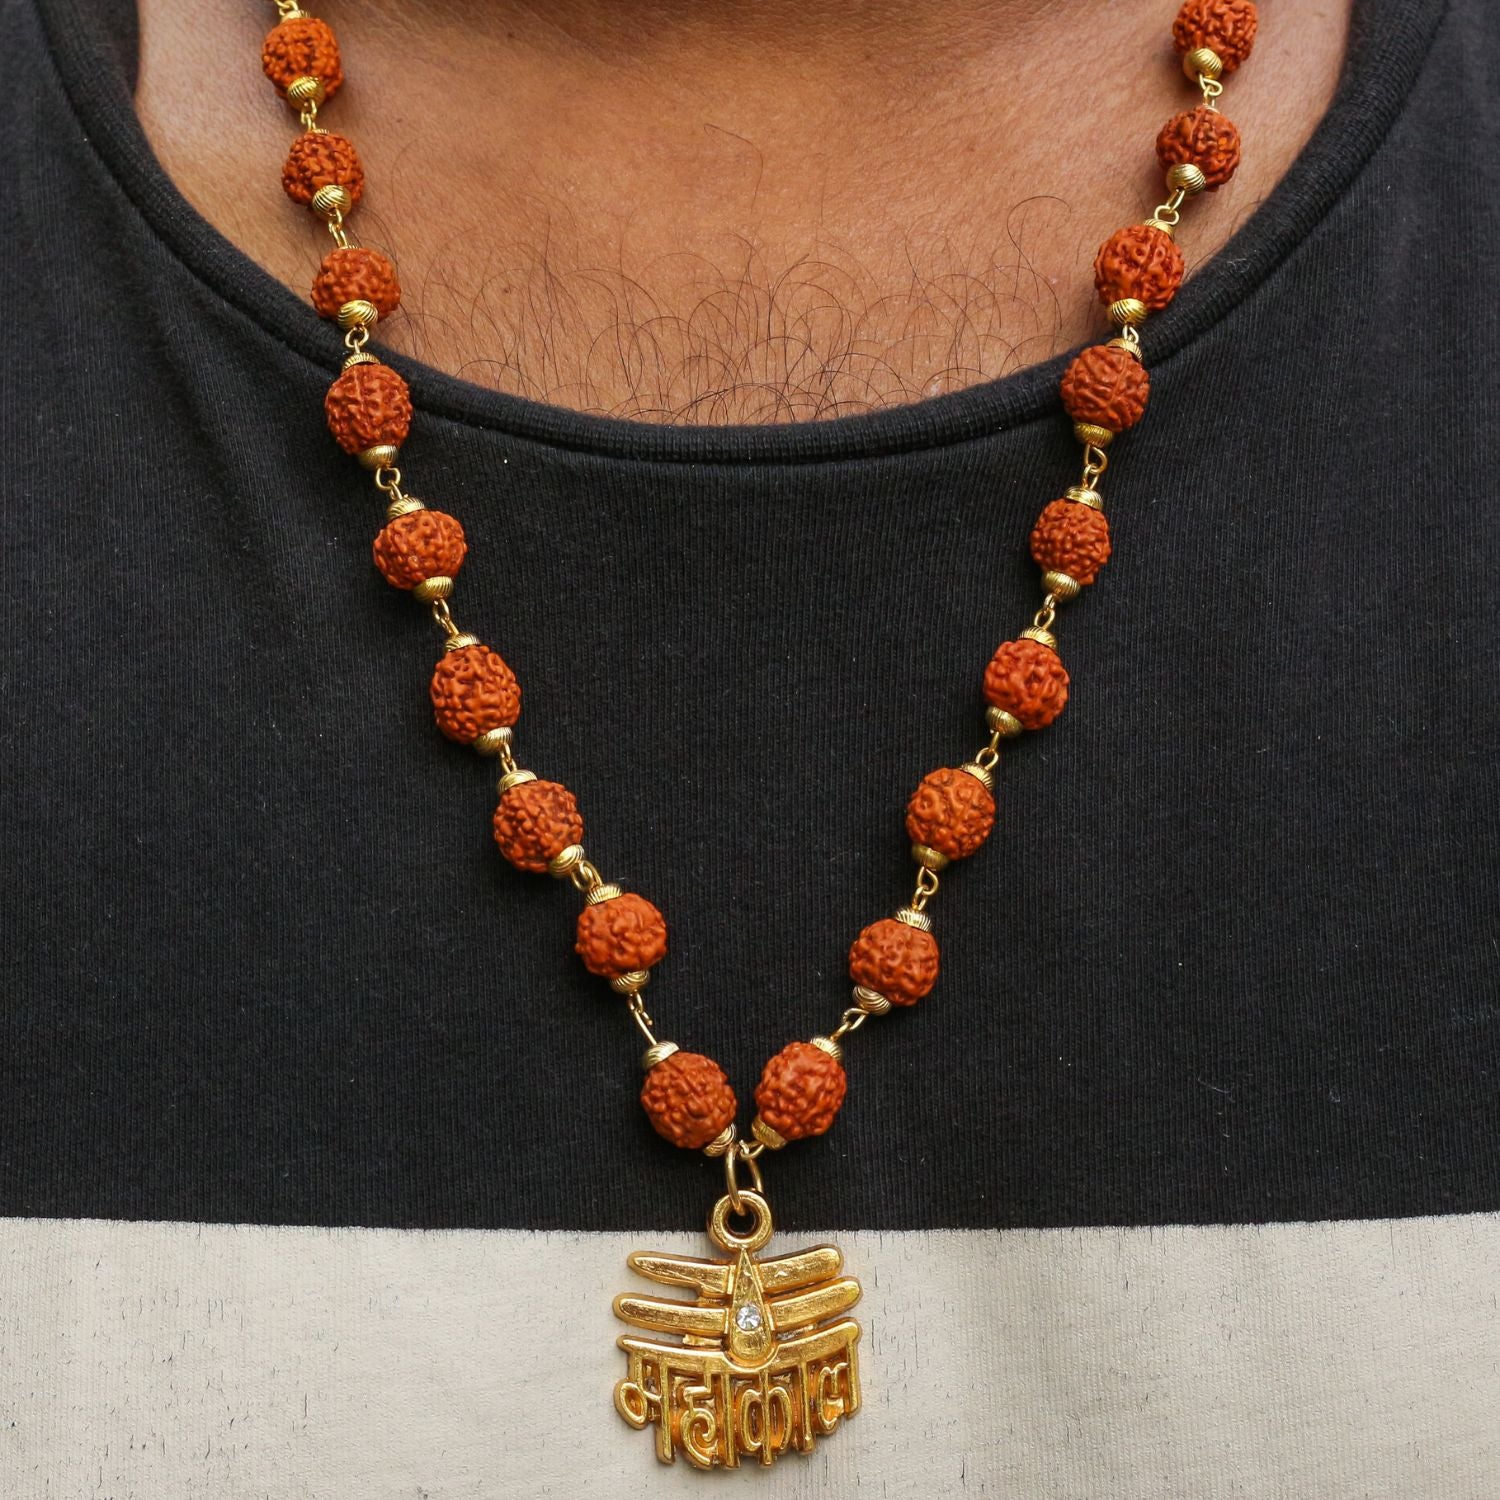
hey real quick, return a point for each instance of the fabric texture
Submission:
(1230, 956)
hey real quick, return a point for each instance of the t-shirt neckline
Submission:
(93, 45)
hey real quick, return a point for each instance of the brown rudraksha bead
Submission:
(1225, 26)
(317, 158)
(620, 934)
(895, 960)
(688, 1099)
(800, 1091)
(534, 822)
(1141, 262)
(473, 691)
(1107, 386)
(1204, 138)
(1071, 538)
(952, 812)
(420, 545)
(355, 274)
(1027, 680)
(368, 406)
(302, 47)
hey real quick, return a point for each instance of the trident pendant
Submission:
(762, 1362)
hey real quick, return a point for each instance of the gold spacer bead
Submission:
(631, 983)
(403, 507)
(981, 774)
(433, 588)
(1163, 226)
(765, 1135)
(1130, 346)
(1203, 62)
(914, 918)
(520, 778)
(1093, 434)
(381, 456)
(659, 1053)
(360, 359)
(358, 314)
(929, 858)
(460, 642)
(872, 1002)
(494, 741)
(331, 201)
(721, 1142)
(1044, 637)
(563, 863)
(1062, 588)
(1001, 721)
(1128, 312)
(828, 1045)
(301, 92)
(607, 891)
(1187, 178)
(1084, 496)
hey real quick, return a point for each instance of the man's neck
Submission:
(722, 212)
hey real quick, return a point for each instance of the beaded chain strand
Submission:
(477, 700)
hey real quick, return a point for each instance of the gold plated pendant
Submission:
(763, 1362)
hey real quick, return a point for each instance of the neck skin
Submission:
(718, 212)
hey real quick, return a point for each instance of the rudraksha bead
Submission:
(473, 691)
(618, 935)
(688, 1099)
(895, 960)
(1027, 680)
(1071, 538)
(800, 1091)
(1107, 386)
(355, 274)
(368, 406)
(1204, 138)
(302, 47)
(1141, 262)
(534, 822)
(952, 812)
(1225, 26)
(317, 158)
(420, 545)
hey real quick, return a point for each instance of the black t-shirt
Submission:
(1230, 957)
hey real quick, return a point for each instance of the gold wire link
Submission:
(444, 618)
(1046, 616)
(737, 1153)
(1211, 87)
(285, 8)
(507, 759)
(309, 118)
(585, 876)
(989, 757)
(641, 1016)
(1095, 462)
(1167, 212)
(926, 888)
(356, 339)
(336, 229)
(852, 1019)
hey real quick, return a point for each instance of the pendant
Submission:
(762, 1362)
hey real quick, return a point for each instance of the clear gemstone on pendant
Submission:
(747, 1318)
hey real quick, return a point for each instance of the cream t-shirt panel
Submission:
(150, 1361)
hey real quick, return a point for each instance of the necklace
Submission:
(764, 1358)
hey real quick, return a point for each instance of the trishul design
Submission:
(762, 1362)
